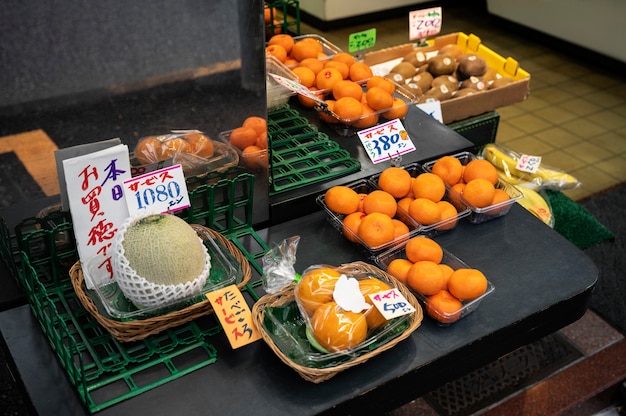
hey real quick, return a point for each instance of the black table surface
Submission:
(542, 283)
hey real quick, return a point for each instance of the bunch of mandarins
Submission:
(475, 182)
(251, 139)
(370, 218)
(443, 287)
(334, 328)
(421, 197)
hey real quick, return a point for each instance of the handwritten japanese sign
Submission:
(391, 303)
(163, 190)
(386, 141)
(425, 23)
(527, 163)
(234, 314)
(296, 87)
(361, 40)
(96, 197)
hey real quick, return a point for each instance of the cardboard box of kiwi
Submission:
(467, 77)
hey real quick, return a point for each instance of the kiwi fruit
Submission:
(416, 58)
(424, 80)
(471, 65)
(398, 78)
(475, 83)
(464, 92)
(440, 92)
(406, 69)
(426, 98)
(448, 80)
(441, 65)
(452, 50)
(421, 69)
(414, 88)
(500, 82)
(490, 74)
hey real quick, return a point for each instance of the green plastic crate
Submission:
(284, 17)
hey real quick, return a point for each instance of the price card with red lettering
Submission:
(391, 303)
(235, 316)
(163, 190)
(425, 23)
(386, 141)
(528, 163)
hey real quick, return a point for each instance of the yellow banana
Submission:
(549, 178)
(536, 204)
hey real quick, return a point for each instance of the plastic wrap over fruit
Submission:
(278, 265)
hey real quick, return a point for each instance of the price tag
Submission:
(391, 303)
(386, 141)
(361, 40)
(425, 23)
(527, 163)
(235, 316)
(163, 190)
(297, 88)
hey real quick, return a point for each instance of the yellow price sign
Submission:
(235, 316)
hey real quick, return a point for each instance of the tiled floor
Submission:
(575, 118)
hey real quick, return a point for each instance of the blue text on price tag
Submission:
(163, 190)
(386, 141)
(425, 23)
(528, 163)
(391, 303)
(361, 40)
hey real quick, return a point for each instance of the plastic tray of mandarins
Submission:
(381, 106)
(509, 194)
(455, 208)
(457, 309)
(375, 241)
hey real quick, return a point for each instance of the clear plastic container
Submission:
(277, 94)
(478, 215)
(253, 161)
(443, 319)
(430, 230)
(365, 187)
(225, 271)
(328, 48)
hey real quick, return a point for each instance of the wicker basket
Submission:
(135, 330)
(318, 375)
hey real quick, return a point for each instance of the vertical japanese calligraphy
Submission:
(235, 316)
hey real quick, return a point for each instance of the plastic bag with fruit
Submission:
(544, 177)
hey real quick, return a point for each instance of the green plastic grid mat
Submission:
(103, 370)
(301, 154)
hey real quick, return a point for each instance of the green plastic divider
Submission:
(103, 370)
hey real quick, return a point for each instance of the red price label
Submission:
(527, 163)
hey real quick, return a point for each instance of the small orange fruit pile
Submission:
(334, 328)
(444, 288)
(475, 182)
(370, 218)
(251, 139)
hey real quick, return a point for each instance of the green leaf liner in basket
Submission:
(138, 329)
(283, 328)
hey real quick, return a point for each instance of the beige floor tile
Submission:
(530, 145)
(554, 77)
(554, 95)
(613, 142)
(606, 99)
(602, 80)
(578, 193)
(593, 180)
(532, 103)
(608, 118)
(614, 166)
(577, 88)
(588, 152)
(583, 128)
(558, 159)
(529, 123)
(557, 137)
(580, 106)
(555, 115)
(507, 132)
(509, 111)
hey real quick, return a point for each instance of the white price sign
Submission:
(163, 190)
(386, 141)
(425, 23)
(297, 88)
(527, 163)
(391, 303)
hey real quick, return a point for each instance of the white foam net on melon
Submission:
(144, 293)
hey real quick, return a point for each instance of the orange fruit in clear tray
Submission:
(277, 51)
(313, 64)
(376, 229)
(398, 109)
(428, 185)
(399, 268)
(339, 66)
(347, 88)
(316, 287)
(327, 78)
(347, 109)
(479, 192)
(448, 214)
(396, 181)
(360, 71)
(425, 211)
(261, 141)
(176, 145)
(381, 82)
(378, 98)
(259, 124)
(350, 225)
(305, 75)
(404, 203)
(344, 57)
(380, 201)
(370, 286)
(467, 284)
(448, 168)
(200, 144)
(304, 49)
(308, 102)
(149, 150)
(242, 137)
(443, 307)
(328, 118)
(499, 197)
(336, 329)
(367, 119)
(480, 168)
(254, 157)
(341, 199)
(425, 277)
(447, 272)
(400, 230)
(423, 248)
(282, 39)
